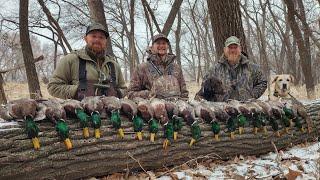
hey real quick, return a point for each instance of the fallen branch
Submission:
(19, 66)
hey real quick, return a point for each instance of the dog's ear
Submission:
(292, 78)
(275, 79)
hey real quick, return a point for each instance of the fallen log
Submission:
(96, 157)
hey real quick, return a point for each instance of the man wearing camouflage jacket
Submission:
(239, 78)
(160, 76)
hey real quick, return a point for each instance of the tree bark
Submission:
(33, 81)
(3, 98)
(303, 45)
(97, 15)
(109, 154)
(226, 21)
(177, 34)
(132, 47)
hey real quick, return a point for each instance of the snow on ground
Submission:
(303, 162)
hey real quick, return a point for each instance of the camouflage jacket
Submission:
(241, 82)
(157, 78)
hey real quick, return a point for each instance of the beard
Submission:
(232, 57)
(96, 50)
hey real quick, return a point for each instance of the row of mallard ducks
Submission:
(170, 114)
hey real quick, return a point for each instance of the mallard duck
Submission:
(186, 111)
(168, 133)
(160, 113)
(204, 112)
(93, 106)
(74, 109)
(174, 117)
(63, 132)
(32, 131)
(257, 117)
(153, 128)
(137, 126)
(113, 105)
(195, 132)
(24, 109)
(177, 125)
(232, 121)
(130, 109)
(54, 111)
(145, 110)
(243, 114)
(292, 110)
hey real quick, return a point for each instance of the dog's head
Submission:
(283, 83)
(212, 87)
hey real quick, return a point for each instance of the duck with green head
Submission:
(146, 112)
(204, 112)
(113, 105)
(232, 120)
(93, 106)
(195, 133)
(32, 131)
(55, 112)
(75, 110)
(168, 134)
(186, 111)
(24, 109)
(130, 109)
(63, 132)
(116, 122)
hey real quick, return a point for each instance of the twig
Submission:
(170, 172)
(278, 158)
(130, 155)
(199, 157)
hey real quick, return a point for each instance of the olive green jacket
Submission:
(65, 80)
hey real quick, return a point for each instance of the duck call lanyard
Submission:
(159, 71)
(102, 77)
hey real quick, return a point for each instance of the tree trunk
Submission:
(171, 17)
(226, 21)
(97, 15)
(177, 34)
(303, 45)
(3, 98)
(109, 154)
(33, 81)
(132, 47)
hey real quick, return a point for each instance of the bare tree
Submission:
(33, 81)
(226, 21)
(97, 15)
(304, 48)
(171, 17)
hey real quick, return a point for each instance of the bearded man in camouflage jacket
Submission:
(233, 77)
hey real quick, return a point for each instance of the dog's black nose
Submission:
(284, 86)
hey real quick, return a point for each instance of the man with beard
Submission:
(239, 78)
(89, 71)
(160, 76)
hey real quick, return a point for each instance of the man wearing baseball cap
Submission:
(160, 76)
(239, 77)
(88, 71)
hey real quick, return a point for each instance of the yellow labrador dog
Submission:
(283, 82)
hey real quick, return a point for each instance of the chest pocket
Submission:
(166, 86)
(164, 83)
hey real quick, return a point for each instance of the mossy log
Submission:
(109, 154)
